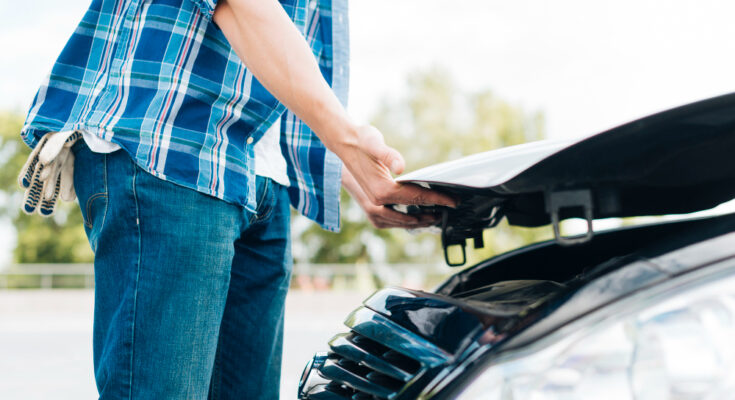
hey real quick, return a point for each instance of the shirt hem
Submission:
(30, 135)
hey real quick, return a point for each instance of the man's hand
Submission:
(265, 39)
(370, 162)
(382, 216)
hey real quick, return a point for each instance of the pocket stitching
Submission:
(254, 216)
(268, 211)
(87, 221)
(104, 180)
(267, 191)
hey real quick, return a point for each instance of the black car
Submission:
(638, 312)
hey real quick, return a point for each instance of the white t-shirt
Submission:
(269, 161)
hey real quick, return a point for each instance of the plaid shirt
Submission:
(158, 78)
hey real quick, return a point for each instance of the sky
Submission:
(586, 65)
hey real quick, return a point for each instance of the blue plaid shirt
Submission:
(158, 78)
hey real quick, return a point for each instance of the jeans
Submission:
(189, 289)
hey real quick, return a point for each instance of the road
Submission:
(46, 340)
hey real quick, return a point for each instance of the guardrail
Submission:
(47, 276)
(46, 273)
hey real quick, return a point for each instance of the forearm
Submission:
(263, 36)
(265, 39)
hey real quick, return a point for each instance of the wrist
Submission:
(353, 188)
(341, 136)
(349, 183)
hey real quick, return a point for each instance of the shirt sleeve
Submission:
(206, 7)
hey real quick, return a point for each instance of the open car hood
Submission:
(677, 161)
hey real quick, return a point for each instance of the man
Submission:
(185, 187)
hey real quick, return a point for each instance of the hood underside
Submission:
(677, 161)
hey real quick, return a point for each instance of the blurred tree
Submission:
(59, 239)
(436, 121)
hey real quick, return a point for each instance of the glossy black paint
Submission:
(385, 330)
(342, 345)
(426, 331)
(405, 344)
(437, 319)
(494, 307)
(704, 243)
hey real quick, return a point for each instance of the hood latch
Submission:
(570, 200)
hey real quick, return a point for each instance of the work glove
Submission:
(49, 172)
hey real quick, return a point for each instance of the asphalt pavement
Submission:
(46, 340)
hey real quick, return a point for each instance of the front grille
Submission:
(367, 367)
(376, 360)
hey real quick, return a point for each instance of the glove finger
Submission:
(63, 156)
(76, 135)
(29, 168)
(53, 146)
(67, 179)
(53, 169)
(49, 187)
(32, 196)
(72, 194)
(50, 180)
(26, 173)
(52, 186)
(50, 171)
(48, 206)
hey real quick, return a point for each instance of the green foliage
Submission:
(59, 239)
(436, 121)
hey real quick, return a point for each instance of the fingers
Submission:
(382, 223)
(67, 179)
(48, 172)
(394, 160)
(407, 193)
(371, 164)
(48, 205)
(32, 196)
(72, 138)
(383, 217)
(52, 148)
(386, 155)
(52, 171)
(50, 186)
(26, 173)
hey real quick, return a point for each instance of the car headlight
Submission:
(677, 343)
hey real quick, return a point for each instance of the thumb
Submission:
(394, 160)
(385, 154)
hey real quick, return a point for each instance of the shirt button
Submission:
(312, 4)
(250, 140)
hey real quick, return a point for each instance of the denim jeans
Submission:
(189, 289)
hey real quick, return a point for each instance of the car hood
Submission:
(673, 162)
(408, 344)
